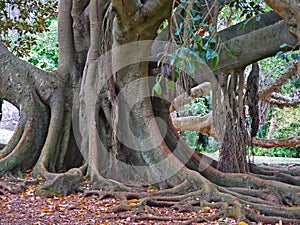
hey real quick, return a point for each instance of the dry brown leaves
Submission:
(26, 208)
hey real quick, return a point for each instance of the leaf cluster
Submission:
(248, 8)
(19, 19)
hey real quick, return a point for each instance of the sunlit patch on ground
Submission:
(5, 135)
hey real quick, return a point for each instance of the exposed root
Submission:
(239, 203)
(62, 184)
(282, 177)
(174, 219)
(24, 147)
(11, 188)
(271, 170)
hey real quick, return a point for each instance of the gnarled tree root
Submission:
(62, 184)
(11, 188)
(242, 204)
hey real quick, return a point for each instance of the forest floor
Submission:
(27, 209)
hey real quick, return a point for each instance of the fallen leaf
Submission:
(133, 201)
(45, 211)
(242, 223)
(206, 208)
(152, 190)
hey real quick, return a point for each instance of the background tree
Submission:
(95, 114)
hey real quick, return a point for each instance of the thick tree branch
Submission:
(289, 10)
(183, 99)
(266, 91)
(271, 32)
(283, 101)
(266, 19)
(17, 75)
(151, 8)
(125, 9)
(273, 143)
(203, 125)
(249, 50)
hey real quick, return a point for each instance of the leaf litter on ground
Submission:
(28, 209)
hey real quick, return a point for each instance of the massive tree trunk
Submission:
(96, 115)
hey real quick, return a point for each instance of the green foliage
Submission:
(243, 10)
(196, 44)
(288, 123)
(191, 138)
(157, 88)
(248, 8)
(290, 152)
(290, 56)
(197, 41)
(45, 53)
(287, 118)
(198, 107)
(20, 19)
(163, 26)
